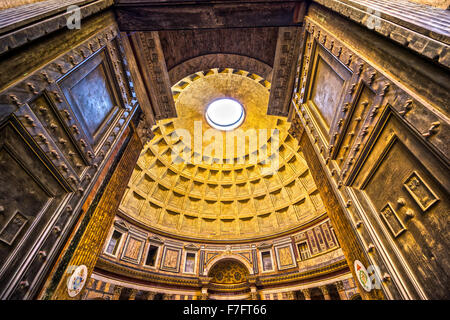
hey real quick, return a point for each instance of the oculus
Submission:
(225, 114)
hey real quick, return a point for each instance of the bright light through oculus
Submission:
(225, 114)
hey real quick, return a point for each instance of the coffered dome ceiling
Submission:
(221, 197)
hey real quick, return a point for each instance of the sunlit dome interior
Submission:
(218, 197)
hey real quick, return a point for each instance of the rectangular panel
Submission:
(91, 93)
(326, 90)
(285, 257)
(171, 259)
(266, 258)
(49, 118)
(392, 220)
(312, 242)
(404, 193)
(189, 266)
(420, 191)
(320, 239)
(326, 85)
(133, 249)
(29, 195)
(13, 228)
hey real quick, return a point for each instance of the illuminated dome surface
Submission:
(225, 114)
(217, 198)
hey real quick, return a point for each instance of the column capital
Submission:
(116, 292)
(290, 295)
(307, 294)
(324, 290)
(133, 294)
(254, 296)
(339, 285)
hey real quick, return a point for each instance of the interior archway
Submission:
(228, 271)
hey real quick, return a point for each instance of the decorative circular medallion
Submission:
(362, 275)
(225, 114)
(77, 280)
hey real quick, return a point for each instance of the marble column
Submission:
(326, 294)
(204, 282)
(253, 293)
(204, 294)
(307, 294)
(116, 292)
(290, 295)
(341, 290)
(132, 294)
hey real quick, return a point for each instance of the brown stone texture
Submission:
(94, 236)
(341, 224)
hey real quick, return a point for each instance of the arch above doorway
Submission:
(228, 256)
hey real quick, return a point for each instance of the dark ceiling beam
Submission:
(286, 55)
(150, 15)
(152, 66)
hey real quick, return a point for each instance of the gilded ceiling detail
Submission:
(221, 198)
(228, 272)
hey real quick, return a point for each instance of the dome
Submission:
(183, 188)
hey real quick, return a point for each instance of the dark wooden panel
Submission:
(409, 191)
(61, 156)
(347, 236)
(145, 16)
(96, 230)
(412, 253)
(182, 45)
(29, 194)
